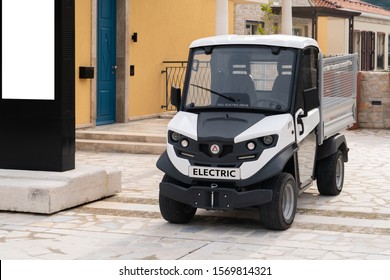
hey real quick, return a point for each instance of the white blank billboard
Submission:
(28, 49)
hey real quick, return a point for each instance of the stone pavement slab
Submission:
(353, 225)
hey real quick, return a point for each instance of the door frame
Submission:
(122, 60)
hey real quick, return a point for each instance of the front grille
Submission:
(231, 155)
(214, 165)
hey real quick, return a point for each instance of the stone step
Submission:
(120, 146)
(344, 221)
(121, 136)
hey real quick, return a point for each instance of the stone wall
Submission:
(374, 99)
(252, 12)
(244, 12)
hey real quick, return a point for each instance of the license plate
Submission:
(214, 173)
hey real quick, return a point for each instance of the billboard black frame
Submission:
(40, 134)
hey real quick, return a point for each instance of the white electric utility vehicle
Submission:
(260, 118)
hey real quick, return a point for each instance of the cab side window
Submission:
(309, 68)
(307, 88)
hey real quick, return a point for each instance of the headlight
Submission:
(184, 143)
(251, 146)
(175, 136)
(268, 140)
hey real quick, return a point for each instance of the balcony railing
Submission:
(174, 74)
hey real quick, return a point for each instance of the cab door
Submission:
(307, 115)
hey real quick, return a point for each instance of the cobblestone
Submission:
(353, 225)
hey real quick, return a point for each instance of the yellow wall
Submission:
(83, 58)
(165, 30)
(332, 35)
(323, 34)
(231, 16)
(338, 36)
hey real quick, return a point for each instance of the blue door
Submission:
(106, 62)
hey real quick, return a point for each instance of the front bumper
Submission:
(273, 167)
(215, 198)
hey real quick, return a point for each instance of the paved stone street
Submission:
(353, 225)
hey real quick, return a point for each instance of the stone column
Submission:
(222, 17)
(287, 17)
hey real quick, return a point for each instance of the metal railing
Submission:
(174, 74)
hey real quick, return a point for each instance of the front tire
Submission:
(330, 174)
(174, 211)
(279, 214)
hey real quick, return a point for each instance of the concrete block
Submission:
(49, 192)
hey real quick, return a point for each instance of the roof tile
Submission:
(356, 5)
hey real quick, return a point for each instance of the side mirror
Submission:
(176, 97)
(310, 99)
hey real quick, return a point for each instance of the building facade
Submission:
(124, 43)
(371, 28)
(371, 33)
(123, 46)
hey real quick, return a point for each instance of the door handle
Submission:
(300, 121)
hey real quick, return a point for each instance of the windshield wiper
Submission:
(216, 93)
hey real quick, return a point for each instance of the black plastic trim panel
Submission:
(215, 198)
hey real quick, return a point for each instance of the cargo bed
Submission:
(338, 76)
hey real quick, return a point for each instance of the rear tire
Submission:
(279, 214)
(330, 174)
(174, 211)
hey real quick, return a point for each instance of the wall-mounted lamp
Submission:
(134, 37)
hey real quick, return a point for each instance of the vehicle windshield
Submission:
(240, 77)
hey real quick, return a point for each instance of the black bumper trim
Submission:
(215, 198)
(272, 168)
(166, 166)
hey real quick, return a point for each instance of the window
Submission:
(388, 52)
(308, 93)
(309, 69)
(252, 27)
(240, 77)
(380, 62)
(301, 30)
(356, 45)
(297, 31)
(367, 50)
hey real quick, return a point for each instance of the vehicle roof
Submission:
(267, 40)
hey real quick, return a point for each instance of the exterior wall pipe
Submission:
(287, 17)
(222, 17)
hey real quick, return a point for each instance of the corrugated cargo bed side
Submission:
(338, 95)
